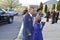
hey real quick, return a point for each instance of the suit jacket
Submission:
(47, 14)
(54, 14)
(57, 14)
(28, 25)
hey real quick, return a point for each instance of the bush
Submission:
(45, 9)
(58, 5)
(41, 6)
(53, 7)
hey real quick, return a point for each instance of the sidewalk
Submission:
(18, 39)
(51, 31)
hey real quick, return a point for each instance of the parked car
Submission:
(5, 17)
(12, 12)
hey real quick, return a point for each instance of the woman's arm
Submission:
(37, 18)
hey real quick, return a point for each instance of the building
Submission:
(50, 3)
(34, 6)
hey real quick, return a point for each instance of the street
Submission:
(10, 31)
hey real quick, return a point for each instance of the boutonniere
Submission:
(29, 19)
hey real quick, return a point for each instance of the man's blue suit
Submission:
(28, 27)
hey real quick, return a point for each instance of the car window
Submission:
(11, 10)
(0, 9)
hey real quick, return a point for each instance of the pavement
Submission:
(51, 31)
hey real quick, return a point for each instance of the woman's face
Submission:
(40, 11)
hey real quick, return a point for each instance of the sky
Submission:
(31, 2)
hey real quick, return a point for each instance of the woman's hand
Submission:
(37, 18)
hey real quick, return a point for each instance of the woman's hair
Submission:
(24, 12)
(38, 9)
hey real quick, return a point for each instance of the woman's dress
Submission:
(37, 34)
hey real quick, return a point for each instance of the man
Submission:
(47, 16)
(53, 17)
(57, 16)
(28, 25)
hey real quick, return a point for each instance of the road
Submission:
(10, 31)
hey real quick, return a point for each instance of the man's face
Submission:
(32, 11)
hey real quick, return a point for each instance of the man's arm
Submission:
(26, 24)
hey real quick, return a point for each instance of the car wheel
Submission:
(10, 20)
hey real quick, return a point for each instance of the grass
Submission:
(59, 16)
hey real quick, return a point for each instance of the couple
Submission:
(55, 16)
(32, 31)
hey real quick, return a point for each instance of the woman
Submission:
(21, 29)
(37, 34)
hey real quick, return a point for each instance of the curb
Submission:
(18, 39)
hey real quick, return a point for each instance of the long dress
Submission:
(37, 34)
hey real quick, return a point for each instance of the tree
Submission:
(53, 6)
(9, 3)
(45, 9)
(58, 5)
(41, 6)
